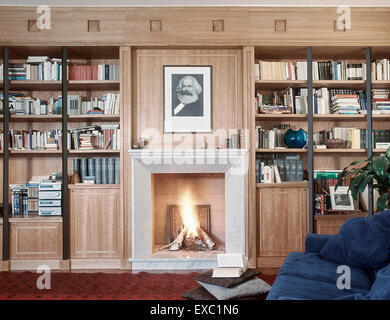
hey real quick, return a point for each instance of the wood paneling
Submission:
(282, 222)
(34, 240)
(330, 224)
(242, 26)
(227, 112)
(1, 238)
(95, 222)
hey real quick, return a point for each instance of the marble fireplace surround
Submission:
(145, 162)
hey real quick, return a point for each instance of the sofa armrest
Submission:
(314, 242)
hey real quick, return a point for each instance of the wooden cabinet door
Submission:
(95, 223)
(282, 221)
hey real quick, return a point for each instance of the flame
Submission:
(188, 216)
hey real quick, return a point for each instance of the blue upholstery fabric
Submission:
(361, 242)
(314, 242)
(312, 267)
(290, 287)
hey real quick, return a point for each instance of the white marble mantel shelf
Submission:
(188, 153)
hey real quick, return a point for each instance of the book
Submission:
(225, 272)
(232, 260)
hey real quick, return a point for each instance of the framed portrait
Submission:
(187, 99)
(341, 199)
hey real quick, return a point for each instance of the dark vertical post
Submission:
(65, 201)
(369, 123)
(310, 155)
(5, 155)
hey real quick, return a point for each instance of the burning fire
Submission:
(188, 216)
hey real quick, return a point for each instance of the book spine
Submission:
(104, 171)
(110, 171)
(91, 167)
(98, 170)
(117, 171)
(83, 169)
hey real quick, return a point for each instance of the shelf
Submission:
(93, 117)
(335, 84)
(95, 151)
(284, 184)
(82, 85)
(280, 84)
(34, 218)
(35, 152)
(340, 117)
(287, 150)
(340, 150)
(93, 186)
(380, 84)
(58, 118)
(290, 117)
(379, 150)
(338, 216)
(36, 85)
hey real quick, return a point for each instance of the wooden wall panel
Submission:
(226, 90)
(95, 222)
(242, 26)
(35, 240)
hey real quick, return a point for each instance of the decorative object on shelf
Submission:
(341, 199)
(334, 143)
(136, 146)
(187, 99)
(375, 170)
(142, 143)
(295, 138)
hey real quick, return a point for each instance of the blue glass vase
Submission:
(295, 139)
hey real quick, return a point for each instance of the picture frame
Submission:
(341, 199)
(187, 99)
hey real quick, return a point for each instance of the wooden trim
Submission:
(21, 265)
(95, 264)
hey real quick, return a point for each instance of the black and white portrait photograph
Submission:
(341, 199)
(187, 98)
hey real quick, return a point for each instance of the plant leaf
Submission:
(381, 165)
(382, 201)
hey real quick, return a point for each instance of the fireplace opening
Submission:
(189, 215)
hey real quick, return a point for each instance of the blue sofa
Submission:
(362, 244)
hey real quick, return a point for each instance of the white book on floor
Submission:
(232, 260)
(228, 272)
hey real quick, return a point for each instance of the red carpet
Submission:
(100, 286)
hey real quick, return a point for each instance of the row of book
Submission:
(34, 139)
(109, 104)
(325, 101)
(272, 169)
(97, 170)
(77, 105)
(271, 139)
(322, 70)
(94, 72)
(36, 68)
(380, 70)
(94, 137)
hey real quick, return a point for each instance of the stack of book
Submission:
(279, 102)
(19, 199)
(338, 70)
(230, 266)
(87, 141)
(94, 137)
(381, 100)
(380, 70)
(97, 170)
(270, 169)
(345, 104)
(95, 72)
(280, 70)
(381, 139)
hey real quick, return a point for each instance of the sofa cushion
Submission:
(291, 287)
(361, 242)
(380, 289)
(311, 266)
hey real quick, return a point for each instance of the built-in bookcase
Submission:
(316, 159)
(20, 165)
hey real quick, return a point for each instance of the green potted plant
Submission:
(375, 171)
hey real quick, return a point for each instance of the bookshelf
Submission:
(19, 165)
(321, 159)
